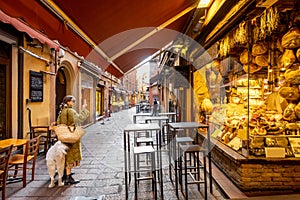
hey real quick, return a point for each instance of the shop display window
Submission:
(253, 85)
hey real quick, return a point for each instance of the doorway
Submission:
(5, 90)
(61, 89)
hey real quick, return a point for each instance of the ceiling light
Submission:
(204, 3)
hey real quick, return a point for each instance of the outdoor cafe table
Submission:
(132, 128)
(140, 115)
(168, 114)
(12, 141)
(171, 115)
(174, 127)
(157, 118)
(160, 119)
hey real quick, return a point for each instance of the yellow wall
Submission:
(40, 111)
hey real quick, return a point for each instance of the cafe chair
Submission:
(47, 139)
(4, 158)
(25, 161)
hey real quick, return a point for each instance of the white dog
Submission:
(56, 161)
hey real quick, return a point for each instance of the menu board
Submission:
(36, 86)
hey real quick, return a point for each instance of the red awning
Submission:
(25, 28)
(115, 27)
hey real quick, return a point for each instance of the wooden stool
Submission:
(191, 154)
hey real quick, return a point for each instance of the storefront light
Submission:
(204, 3)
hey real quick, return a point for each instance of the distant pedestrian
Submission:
(171, 106)
(155, 106)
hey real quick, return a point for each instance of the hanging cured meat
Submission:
(244, 57)
(261, 60)
(298, 54)
(259, 48)
(279, 46)
(253, 68)
(290, 93)
(288, 58)
(291, 39)
(216, 66)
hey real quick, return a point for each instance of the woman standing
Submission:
(70, 117)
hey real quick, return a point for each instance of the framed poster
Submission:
(36, 86)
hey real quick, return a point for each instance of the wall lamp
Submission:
(204, 3)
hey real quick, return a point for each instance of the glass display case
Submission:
(254, 86)
(249, 96)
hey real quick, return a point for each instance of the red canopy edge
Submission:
(19, 25)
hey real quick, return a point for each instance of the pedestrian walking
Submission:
(155, 107)
(70, 117)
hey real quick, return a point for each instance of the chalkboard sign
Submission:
(36, 86)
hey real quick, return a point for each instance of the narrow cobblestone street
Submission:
(101, 173)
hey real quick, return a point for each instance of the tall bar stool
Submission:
(149, 170)
(176, 156)
(192, 166)
(166, 135)
(143, 138)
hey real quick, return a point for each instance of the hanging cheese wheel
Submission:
(291, 39)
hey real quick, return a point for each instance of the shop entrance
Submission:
(61, 88)
(5, 95)
(99, 101)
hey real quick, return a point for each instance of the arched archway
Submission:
(60, 89)
(64, 83)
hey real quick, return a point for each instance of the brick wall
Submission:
(257, 174)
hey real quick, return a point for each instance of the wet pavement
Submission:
(101, 173)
